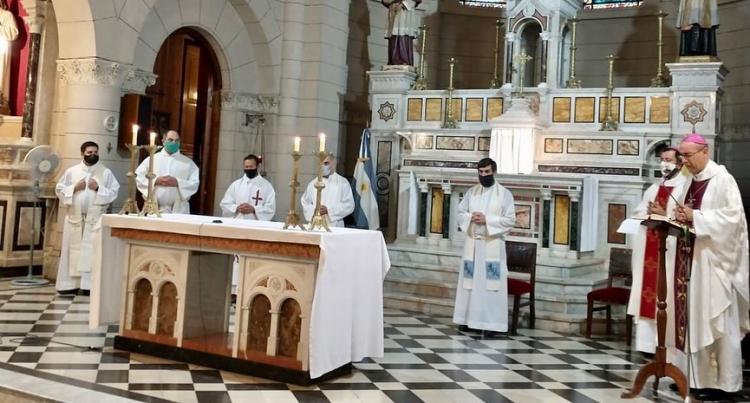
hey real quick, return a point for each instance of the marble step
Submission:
(426, 305)
(419, 287)
(450, 257)
(423, 272)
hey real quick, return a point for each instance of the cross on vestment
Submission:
(257, 197)
(521, 60)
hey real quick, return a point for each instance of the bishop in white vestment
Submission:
(718, 290)
(250, 197)
(659, 199)
(336, 198)
(486, 215)
(177, 177)
(85, 191)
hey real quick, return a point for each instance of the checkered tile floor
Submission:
(427, 360)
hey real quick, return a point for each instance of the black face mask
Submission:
(251, 173)
(487, 180)
(91, 159)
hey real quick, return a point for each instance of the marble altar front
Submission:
(307, 305)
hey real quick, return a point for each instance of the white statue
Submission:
(8, 33)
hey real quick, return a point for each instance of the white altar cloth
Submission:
(346, 321)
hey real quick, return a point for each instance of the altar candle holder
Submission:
(659, 80)
(130, 206)
(151, 207)
(572, 81)
(292, 218)
(319, 221)
(609, 123)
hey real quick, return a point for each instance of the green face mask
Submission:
(172, 147)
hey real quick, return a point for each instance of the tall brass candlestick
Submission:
(573, 82)
(522, 59)
(151, 206)
(609, 123)
(292, 218)
(495, 83)
(659, 80)
(450, 121)
(319, 221)
(421, 82)
(130, 206)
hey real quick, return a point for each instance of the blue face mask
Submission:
(172, 147)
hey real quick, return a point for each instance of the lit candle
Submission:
(153, 139)
(322, 142)
(135, 135)
(296, 144)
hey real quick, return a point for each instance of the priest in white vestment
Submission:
(336, 201)
(486, 215)
(658, 199)
(718, 300)
(250, 197)
(177, 177)
(85, 191)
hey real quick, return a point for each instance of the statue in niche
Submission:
(401, 30)
(8, 34)
(698, 21)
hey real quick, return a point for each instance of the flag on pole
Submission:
(366, 205)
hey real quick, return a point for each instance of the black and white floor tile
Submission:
(48, 349)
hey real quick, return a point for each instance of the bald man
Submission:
(718, 300)
(176, 177)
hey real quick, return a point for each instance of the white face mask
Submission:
(667, 167)
(326, 170)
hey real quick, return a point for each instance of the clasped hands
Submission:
(168, 181)
(681, 213)
(246, 208)
(478, 218)
(81, 184)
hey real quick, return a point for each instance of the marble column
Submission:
(446, 185)
(544, 35)
(546, 225)
(422, 225)
(575, 218)
(273, 338)
(35, 20)
(510, 39)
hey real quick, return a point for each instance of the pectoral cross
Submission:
(257, 197)
(521, 60)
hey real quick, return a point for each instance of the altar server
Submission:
(486, 215)
(176, 177)
(85, 191)
(336, 199)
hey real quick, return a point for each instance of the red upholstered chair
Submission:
(521, 258)
(619, 267)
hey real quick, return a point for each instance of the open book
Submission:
(633, 224)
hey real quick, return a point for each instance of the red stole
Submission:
(693, 199)
(651, 258)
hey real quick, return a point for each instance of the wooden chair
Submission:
(619, 267)
(521, 258)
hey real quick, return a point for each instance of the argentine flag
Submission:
(366, 206)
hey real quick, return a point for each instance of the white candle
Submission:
(296, 144)
(153, 139)
(322, 142)
(135, 134)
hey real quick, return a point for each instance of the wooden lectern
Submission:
(659, 367)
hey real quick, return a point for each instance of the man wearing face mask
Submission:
(336, 201)
(486, 215)
(176, 180)
(658, 199)
(250, 197)
(85, 191)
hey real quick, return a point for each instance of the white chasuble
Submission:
(336, 196)
(82, 220)
(258, 192)
(169, 198)
(645, 334)
(482, 292)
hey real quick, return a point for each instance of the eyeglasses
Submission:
(690, 155)
(171, 140)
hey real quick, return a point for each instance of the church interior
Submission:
(573, 99)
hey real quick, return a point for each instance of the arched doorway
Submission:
(186, 97)
(532, 45)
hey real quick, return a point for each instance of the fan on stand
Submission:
(43, 163)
